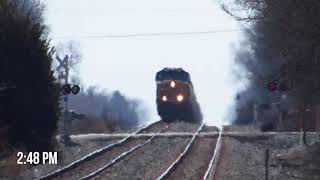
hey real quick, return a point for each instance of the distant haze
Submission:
(129, 64)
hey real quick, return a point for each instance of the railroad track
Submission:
(172, 167)
(115, 158)
(155, 153)
(215, 157)
(72, 166)
(192, 151)
(94, 175)
(120, 157)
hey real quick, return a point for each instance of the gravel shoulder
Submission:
(239, 161)
(245, 158)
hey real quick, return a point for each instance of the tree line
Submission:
(281, 46)
(30, 106)
(30, 97)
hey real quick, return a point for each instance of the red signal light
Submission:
(272, 86)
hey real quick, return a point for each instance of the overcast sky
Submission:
(129, 64)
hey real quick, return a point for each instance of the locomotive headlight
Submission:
(179, 98)
(173, 84)
(164, 98)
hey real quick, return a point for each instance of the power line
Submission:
(149, 34)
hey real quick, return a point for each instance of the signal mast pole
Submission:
(65, 77)
(66, 100)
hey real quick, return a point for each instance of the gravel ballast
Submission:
(148, 162)
(195, 164)
(99, 161)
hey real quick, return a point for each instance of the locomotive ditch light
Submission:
(164, 98)
(179, 98)
(75, 89)
(173, 84)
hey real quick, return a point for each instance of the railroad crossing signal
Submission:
(75, 89)
(282, 86)
(67, 89)
(63, 63)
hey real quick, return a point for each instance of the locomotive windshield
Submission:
(174, 74)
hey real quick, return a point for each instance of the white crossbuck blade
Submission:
(63, 63)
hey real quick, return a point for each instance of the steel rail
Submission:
(148, 135)
(187, 134)
(120, 157)
(92, 155)
(214, 156)
(173, 166)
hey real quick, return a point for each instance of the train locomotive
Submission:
(176, 99)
